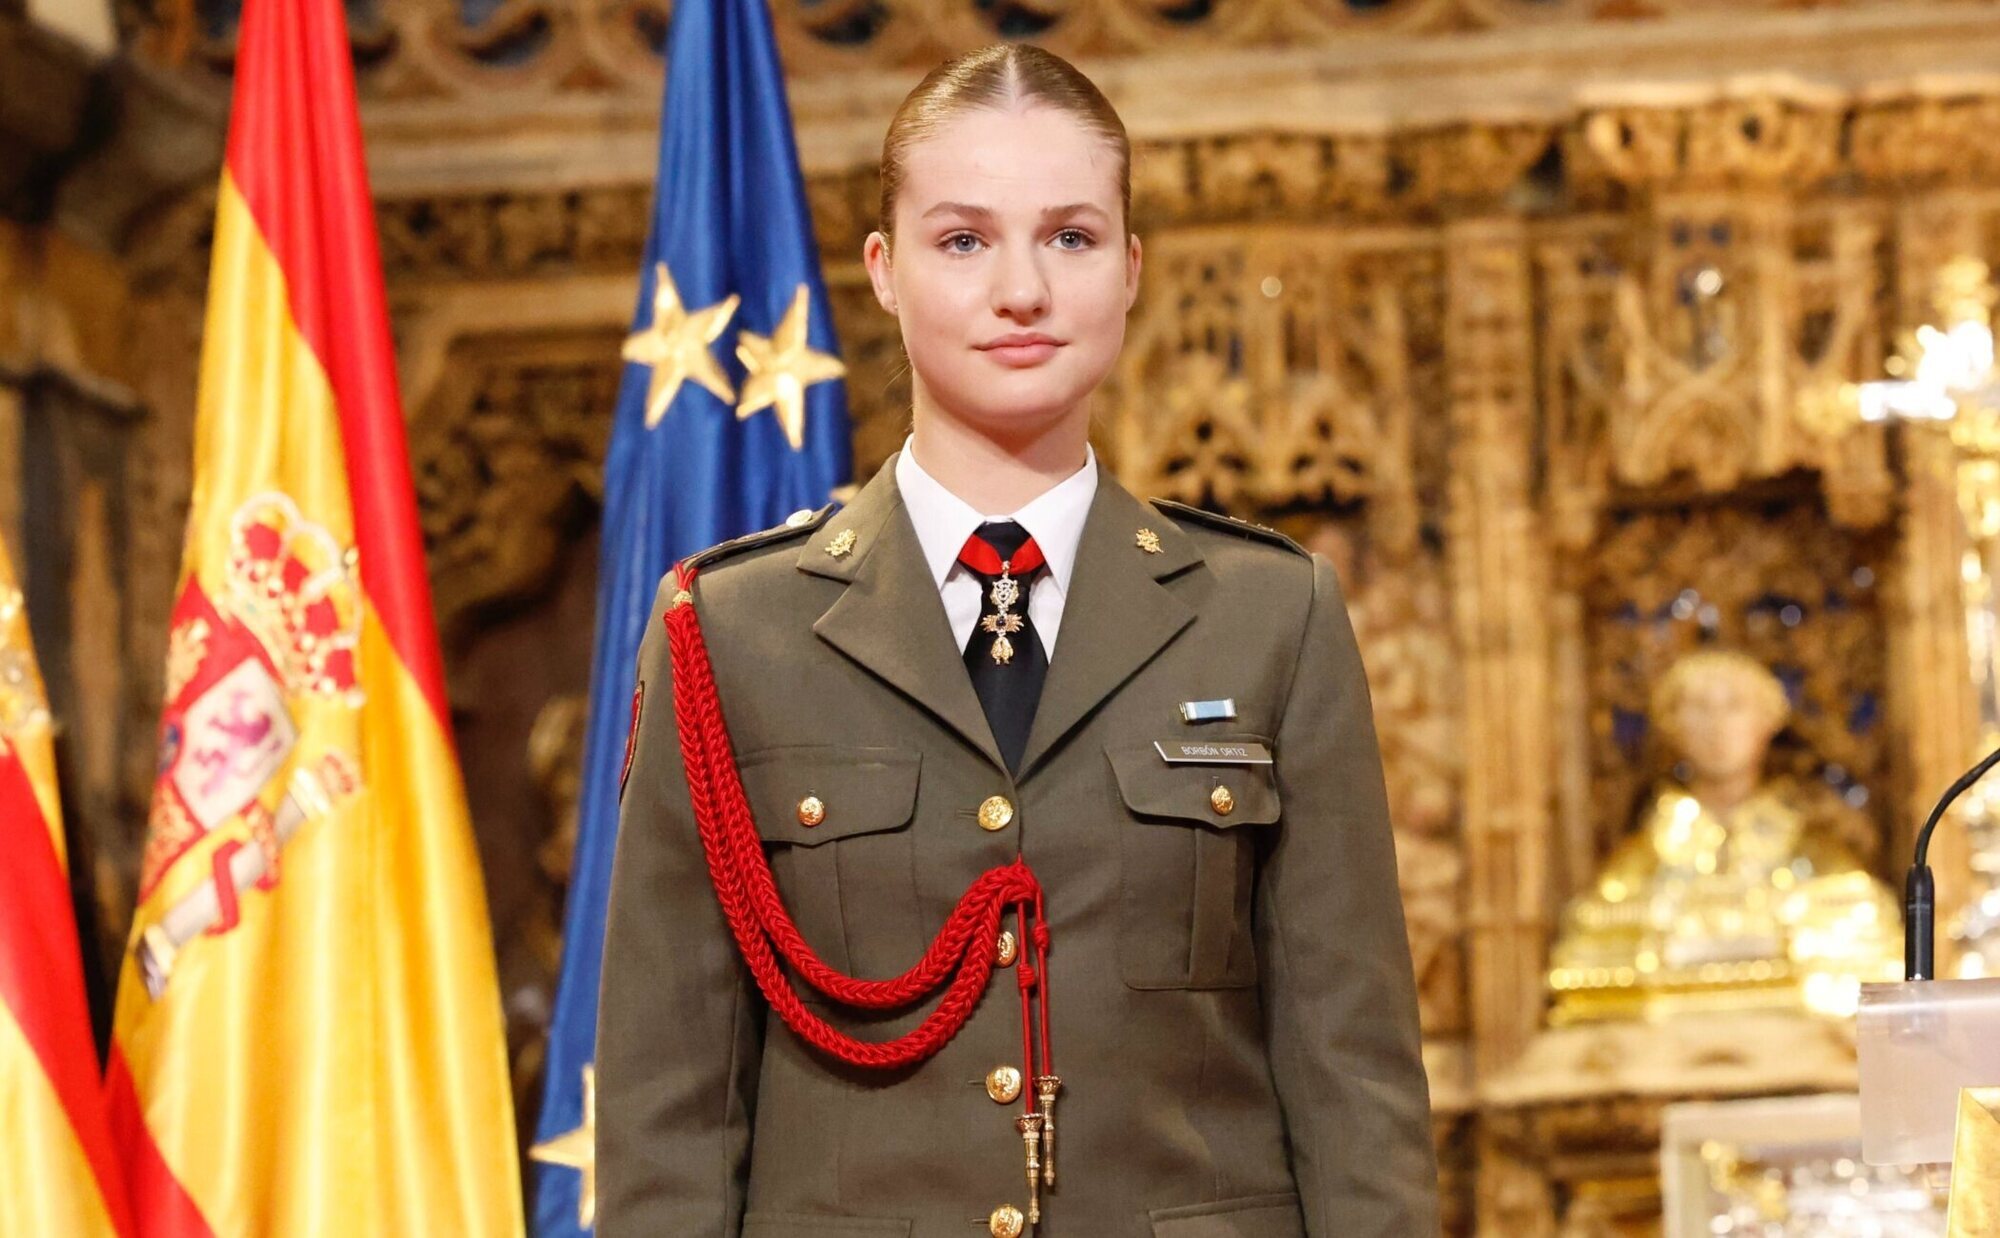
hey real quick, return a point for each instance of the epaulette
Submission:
(1228, 524)
(798, 524)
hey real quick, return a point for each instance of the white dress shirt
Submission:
(943, 522)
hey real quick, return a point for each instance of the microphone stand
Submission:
(1920, 891)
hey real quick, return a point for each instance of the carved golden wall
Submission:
(1527, 314)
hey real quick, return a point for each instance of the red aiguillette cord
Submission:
(964, 949)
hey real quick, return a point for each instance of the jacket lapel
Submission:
(1117, 616)
(890, 619)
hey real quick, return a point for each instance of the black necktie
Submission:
(1005, 656)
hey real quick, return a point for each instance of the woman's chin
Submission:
(1010, 409)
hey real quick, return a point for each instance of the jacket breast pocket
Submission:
(835, 823)
(1188, 859)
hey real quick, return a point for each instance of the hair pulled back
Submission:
(999, 76)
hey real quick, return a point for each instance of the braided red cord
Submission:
(748, 894)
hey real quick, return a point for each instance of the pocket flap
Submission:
(1257, 1216)
(1187, 793)
(860, 790)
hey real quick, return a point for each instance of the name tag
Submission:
(1213, 751)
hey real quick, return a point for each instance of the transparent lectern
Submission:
(1920, 1042)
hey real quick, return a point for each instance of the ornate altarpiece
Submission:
(1517, 309)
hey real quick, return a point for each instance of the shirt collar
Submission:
(1053, 518)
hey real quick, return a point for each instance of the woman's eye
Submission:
(1080, 237)
(951, 243)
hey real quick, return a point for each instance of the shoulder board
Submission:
(798, 524)
(1227, 524)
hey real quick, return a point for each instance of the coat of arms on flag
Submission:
(280, 637)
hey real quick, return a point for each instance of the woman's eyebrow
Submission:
(982, 212)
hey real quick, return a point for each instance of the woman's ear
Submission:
(1133, 257)
(875, 256)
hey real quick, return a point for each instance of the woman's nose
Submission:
(1020, 290)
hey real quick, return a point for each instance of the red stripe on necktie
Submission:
(979, 555)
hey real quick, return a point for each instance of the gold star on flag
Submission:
(676, 345)
(781, 367)
(577, 1149)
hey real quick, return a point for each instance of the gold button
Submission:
(1003, 1084)
(811, 811)
(995, 813)
(1222, 801)
(1007, 948)
(1006, 1222)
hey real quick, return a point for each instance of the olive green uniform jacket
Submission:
(1234, 1013)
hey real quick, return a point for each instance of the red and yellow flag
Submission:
(308, 1036)
(59, 1174)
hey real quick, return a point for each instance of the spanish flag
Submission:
(58, 1174)
(308, 1035)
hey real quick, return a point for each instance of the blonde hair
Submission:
(1764, 687)
(997, 77)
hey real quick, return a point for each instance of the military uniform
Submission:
(1231, 994)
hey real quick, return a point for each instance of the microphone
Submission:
(1920, 891)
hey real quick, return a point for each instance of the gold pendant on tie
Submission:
(1005, 593)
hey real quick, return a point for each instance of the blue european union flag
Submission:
(731, 416)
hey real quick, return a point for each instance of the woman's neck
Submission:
(998, 474)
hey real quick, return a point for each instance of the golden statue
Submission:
(1723, 899)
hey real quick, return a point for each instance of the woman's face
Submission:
(1010, 272)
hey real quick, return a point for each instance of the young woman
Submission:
(1001, 854)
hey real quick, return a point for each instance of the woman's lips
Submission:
(1020, 356)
